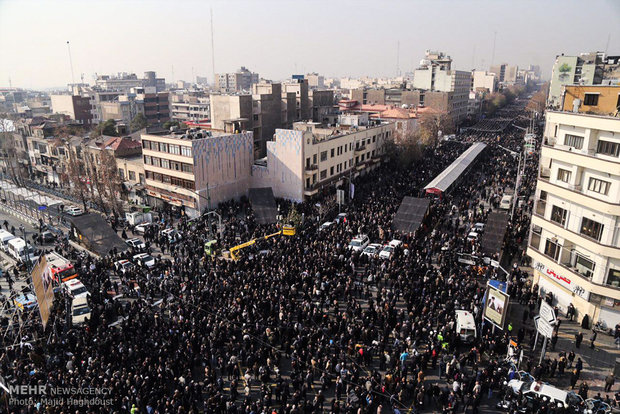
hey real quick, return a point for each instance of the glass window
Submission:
(324, 156)
(157, 162)
(333, 152)
(166, 179)
(146, 144)
(186, 151)
(148, 160)
(165, 164)
(573, 141)
(591, 228)
(163, 147)
(558, 215)
(323, 174)
(552, 249)
(613, 277)
(132, 175)
(583, 265)
(188, 168)
(174, 149)
(331, 171)
(590, 99)
(608, 148)
(598, 186)
(564, 175)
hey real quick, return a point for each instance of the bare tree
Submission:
(111, 180)
(431, 124)
(75, 173)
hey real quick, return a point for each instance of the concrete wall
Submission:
(607, 98)
(284, 172)
(224, 164)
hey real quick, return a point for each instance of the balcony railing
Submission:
(312, 167)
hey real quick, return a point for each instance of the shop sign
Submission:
(562, 280)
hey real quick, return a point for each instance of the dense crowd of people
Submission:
(308, 326)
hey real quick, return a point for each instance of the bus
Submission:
(62, 269)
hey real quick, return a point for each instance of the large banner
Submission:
(496, 306)
(43, 288)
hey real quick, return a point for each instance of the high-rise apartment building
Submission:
(575, 232)
(239, 81)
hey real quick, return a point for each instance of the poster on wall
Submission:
(496, 306)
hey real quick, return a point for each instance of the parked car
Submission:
(326, 225)
(144, 260)
(395, 243)
(172, 235)
(47, 236)
(372, 250)
(136, 244)
(141, 228)
(472, 236)
(74, 211)
(80, 310)
(123, 265)
(478, 227)
(359, 243)
(386, 252)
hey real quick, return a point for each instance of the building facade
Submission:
(76, 107)
(193, 170)
(189, 108)
(312, 158)
(483, 80)
(239, 81)
(600, 99)
(575, 232)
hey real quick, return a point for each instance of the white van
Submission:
(17, 249)
(5, 236)
(465, 326)
(506, 202)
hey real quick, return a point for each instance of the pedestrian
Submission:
(579, 365)
(571, 358)
(574, 376)
(610, 380)
(578, 339)
(554, 340)
(593, 338)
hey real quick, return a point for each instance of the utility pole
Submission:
(70, 62)
(212, 49)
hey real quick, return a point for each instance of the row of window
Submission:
(594, 184)
(589, 228)
(169, 148)
(603, 147)
(168, 164)
(168, 179)
(337, 151)
(581, 264)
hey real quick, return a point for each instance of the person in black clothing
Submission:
(593, 338)
(578, 339)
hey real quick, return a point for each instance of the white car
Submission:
(172, 234)
(74, 211)
(80, 310)
(326, 225)
(144, 260)
(372, 250)
(341, 218)
(359, 243)
(387, 252)
(123, 265)
(395, 243)
(472, 236)
(478, 227)
(141, 228)
(540, 390)
(76, 288)
(136, 244)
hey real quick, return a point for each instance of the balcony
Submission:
(360, 149)
(311, 169)
(541, 206)
(544, 173)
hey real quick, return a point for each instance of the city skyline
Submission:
(111, 37)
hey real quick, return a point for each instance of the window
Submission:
(573, 141)
(613, 277)
(324, 156)
(374, 137)
(332, 153)
(558, 215)
(552, 249)
(165, 164)
(186, 151)
(314, 159)
(132, 175)
(598, 186)
(608, 148)
(188, 168)
(591, 228)
(583, 265)
(345, 148)
(591, 99)
(163, 147)
(331, 171)
(174, 149)
(146, 144)
(157, 162)
(166, 179)
(148, 160)
(564, 175)
(121, 172)
(323, 174)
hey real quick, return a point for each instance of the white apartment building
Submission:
(575, 234)
(189, 108)
(311, 158)
(481, 79)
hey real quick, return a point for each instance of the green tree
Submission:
(293, 217)
(106, 128)
(138, 122)
(169, 124)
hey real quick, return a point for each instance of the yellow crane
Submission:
(286, 230)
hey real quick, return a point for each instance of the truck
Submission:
(62, 269)
(18, 247)
(137, 217)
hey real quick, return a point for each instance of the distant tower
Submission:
(70, 62)
(212, 50)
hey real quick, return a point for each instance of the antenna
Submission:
(70, 62)
(398, 58)
(607, 46)
(493, 54)
(212, 48)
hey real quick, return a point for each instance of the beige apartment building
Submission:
(575, 233)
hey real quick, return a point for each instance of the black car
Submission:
(47, 237)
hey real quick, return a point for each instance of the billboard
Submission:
(43, 288)
(496, 306)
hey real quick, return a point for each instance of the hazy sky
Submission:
(279, 38)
